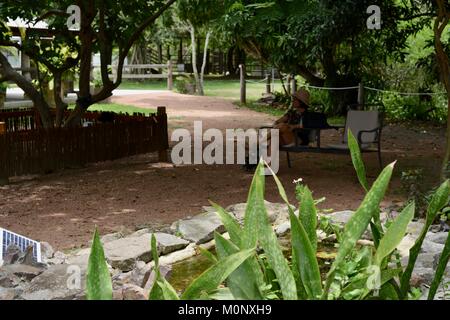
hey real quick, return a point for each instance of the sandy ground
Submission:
(63, 208)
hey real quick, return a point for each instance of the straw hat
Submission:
(302, 95)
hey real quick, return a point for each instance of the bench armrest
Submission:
(376, 130)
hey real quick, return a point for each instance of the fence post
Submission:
(268, 83)
(3, 174)
(162, 117)
(169, 76)
(243, 84)
(361, 96)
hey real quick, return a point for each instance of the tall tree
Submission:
(103, 26)
(327, 42)
(200, 17)
(440, 24)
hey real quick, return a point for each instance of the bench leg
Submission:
(380, 160)
(288, 160)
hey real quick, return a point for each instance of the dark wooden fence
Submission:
(31, 150)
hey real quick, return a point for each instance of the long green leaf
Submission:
(439, 200)
(359, 221)
(394, 234)
(268, 238)
(243, 281)
(358, 163)
(440, 270)
(98, 279)
(230, 223)
(168, 291)
(308, 217)
(255, 205)
(301, 291)
(156, 293)
(306, 261)
(215, 275)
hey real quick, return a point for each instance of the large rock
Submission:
(439, 237)
(199, 229)
(22, 271)
(277, 212)
(133, 292)
(58, 282)
(431, 247)
(7, 293)
(8, 279)
(124, 253)
(340, 217)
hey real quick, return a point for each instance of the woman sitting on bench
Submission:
(295, 118)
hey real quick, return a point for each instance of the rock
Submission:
(8, 279)
(58, 282)
(117, 294)
(405, 245)
(149, 280)
(209, 209)
(46, 251)
(139, 273)
(23, 271)
(12, 255)
(133, 292)
(415, 228)
(123, 253)
(168, 243)
(199, 229)
(340, 217)
(425, 260)
(111, 237)
(283, 229)
(58, 258)
(275, 211)
(431, 247)
(440, 237)
(7, 293)
(425, 274)
(141, 232)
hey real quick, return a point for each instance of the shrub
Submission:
(185, 84)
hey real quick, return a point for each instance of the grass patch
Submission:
(118, 108)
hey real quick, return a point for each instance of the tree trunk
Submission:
(440, 24)
(194, 56)
(201, 90)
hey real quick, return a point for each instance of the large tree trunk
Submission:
(194, 56)
(440, 24)
(201, 90)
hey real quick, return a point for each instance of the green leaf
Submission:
(268, 238)
(394, 234)
(439, 200)
(308, 217)
(358, 163)
(359, 221)
(243, 281)
(440, 270)
(156, 293)
(98, 280)
(230, 223)
(167, 290)
(306, 262)
(215, 275)
(207, 254)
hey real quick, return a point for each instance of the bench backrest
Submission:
(362, 120)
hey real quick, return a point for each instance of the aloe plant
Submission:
(98, 279)
(252, 265)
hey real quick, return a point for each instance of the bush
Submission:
(185, 84)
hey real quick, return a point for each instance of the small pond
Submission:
(184, 272)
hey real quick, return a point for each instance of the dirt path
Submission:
(63, 208)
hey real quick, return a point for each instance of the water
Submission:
(184, 272)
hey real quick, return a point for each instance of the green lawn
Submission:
(119, 108)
